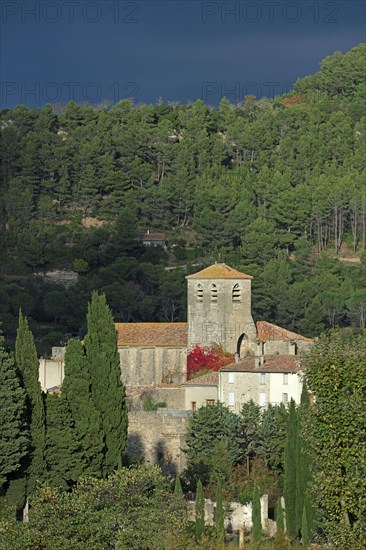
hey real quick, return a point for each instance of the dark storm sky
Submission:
(54, 51)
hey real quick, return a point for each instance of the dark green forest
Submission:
(273, 187)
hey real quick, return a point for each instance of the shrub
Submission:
(151, 405)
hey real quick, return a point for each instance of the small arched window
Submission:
(214, 293)
(237, 293)
(199, 294)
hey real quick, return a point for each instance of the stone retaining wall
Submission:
(157, 437)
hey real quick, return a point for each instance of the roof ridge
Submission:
(219, 271)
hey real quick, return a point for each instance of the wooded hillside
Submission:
(267, 186)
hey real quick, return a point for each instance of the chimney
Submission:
(259, 349)
(259, 361)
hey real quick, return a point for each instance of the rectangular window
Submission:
(262, 399)
(194, 405)
(231, 377)
(285, 379)
(210, 401)
(231, 398)
(263, 378)
(285, 398)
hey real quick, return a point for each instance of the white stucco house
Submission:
(271, 379)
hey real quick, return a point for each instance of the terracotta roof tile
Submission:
(272, 363)
(209, 379)
(219, 271)
(152, 334)
(269, 332)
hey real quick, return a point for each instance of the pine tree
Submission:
(305, 536)
(200, 511)
(27, 362)
(219, 517)
(279, 516)
(62, 446)
(14, 435)
(256, 515)
(178, 487)
(290, 471)
(107, 389)
(76, 391)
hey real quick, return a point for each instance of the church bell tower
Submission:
(219, 309)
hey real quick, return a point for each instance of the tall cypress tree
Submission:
(178, 487)
(200, 511)
(76, 391)
(303, 467)
(305, 535)
(219, 517)
(27, 362)
(14, 435)
(107, 388)
(290, 471)
(256, 515)
(62, 446)
(280, 524)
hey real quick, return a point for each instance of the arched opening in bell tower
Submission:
(242, 346)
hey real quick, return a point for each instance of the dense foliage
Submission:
(87, 425)
(336, 431)
(60, 437)
(265, 185)
(32, 469)
(14, 436)
(237, 449)
(132, 509)
(107, 390)
(76, 391)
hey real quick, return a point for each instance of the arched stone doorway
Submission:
(242, 346)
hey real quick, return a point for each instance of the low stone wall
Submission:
(239, 516)
(157, 437)
(171, 394)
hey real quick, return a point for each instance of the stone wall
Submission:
(157, 437)
(153, 365)
(171, 394)
(139, 366)
(238, 515)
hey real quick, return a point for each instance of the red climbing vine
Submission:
(202, 360)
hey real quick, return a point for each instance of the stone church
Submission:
(219, 313)
(153, 357)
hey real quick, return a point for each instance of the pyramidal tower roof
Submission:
(219, 271)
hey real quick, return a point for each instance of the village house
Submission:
(153, 239)
(270, 379)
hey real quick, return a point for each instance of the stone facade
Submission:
(264, 380)
(51, 373)
(153, 365)
(219, 308)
